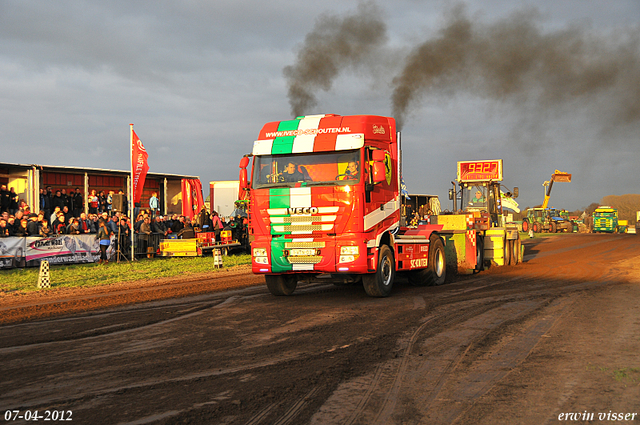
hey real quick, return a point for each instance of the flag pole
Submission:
(131, 195)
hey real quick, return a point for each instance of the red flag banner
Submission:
(192, 200)
(139, 166)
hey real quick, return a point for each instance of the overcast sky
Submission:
(542, 84)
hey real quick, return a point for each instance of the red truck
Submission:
(325, 203)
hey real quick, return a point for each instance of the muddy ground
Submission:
(558, 335)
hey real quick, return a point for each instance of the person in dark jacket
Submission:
(78, 204)
(13, 201)
(33, 229)
(104, 236)
(20, 228)
(57, 201)
(5, 199)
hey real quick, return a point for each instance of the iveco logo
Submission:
(302, 210)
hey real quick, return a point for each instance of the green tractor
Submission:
(546, 220)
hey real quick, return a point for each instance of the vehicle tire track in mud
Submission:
(143, 317)
(430, 361)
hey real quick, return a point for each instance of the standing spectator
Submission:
(145, 233)
(110, 202)
(20, 228)
(13, 201)
(112, 224)
(159, 227)
(45, 230)
(73, 228)
(4, 228)
(105, 240)
(5, 199)
(124, 237)
(93, 202)
(177, 225)
(154, 204)
(46, 196)
(216, 224)
(102, 200)
(95, 223)
(32, 226)
(42, 200)
(54, 216)
(65, 197)
(58, 201)
(84, 224)
(71, 202)
(59, 226)
(78, 204)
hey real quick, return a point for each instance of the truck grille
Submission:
(310, 259)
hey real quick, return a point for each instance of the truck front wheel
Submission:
(379, 284)
(283, 284)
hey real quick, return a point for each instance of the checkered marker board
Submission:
(217, 258)
(44, 281)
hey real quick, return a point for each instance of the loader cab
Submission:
(481, 197)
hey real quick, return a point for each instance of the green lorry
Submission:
(605, 219)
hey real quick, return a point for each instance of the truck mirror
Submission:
(451, 194)
(244, 180)
(379, 172)
(377, 156)
(516, 192)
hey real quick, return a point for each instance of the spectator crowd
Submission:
(60, 212)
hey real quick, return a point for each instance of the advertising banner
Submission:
(65, 249)
(12, 252)
(61, 249)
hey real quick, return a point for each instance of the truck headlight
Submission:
(349, 253)
(259, 252)
(349, 250)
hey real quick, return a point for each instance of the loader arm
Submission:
(558, 176)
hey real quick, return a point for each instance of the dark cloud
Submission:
(335, 43)
(514, 61)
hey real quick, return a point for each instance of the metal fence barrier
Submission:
(144, 245)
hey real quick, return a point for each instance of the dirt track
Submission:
(558, 334)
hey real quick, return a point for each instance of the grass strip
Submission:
(88, 275)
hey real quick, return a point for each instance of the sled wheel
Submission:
(479, 254)
(379, 284)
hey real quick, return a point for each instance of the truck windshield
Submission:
(327, 168)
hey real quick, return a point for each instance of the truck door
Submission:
(380, 199)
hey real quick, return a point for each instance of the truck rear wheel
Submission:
(283, 284)
(437, 262)
(436, 271)
(525, 225)
(536, 227)
(379, 284)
